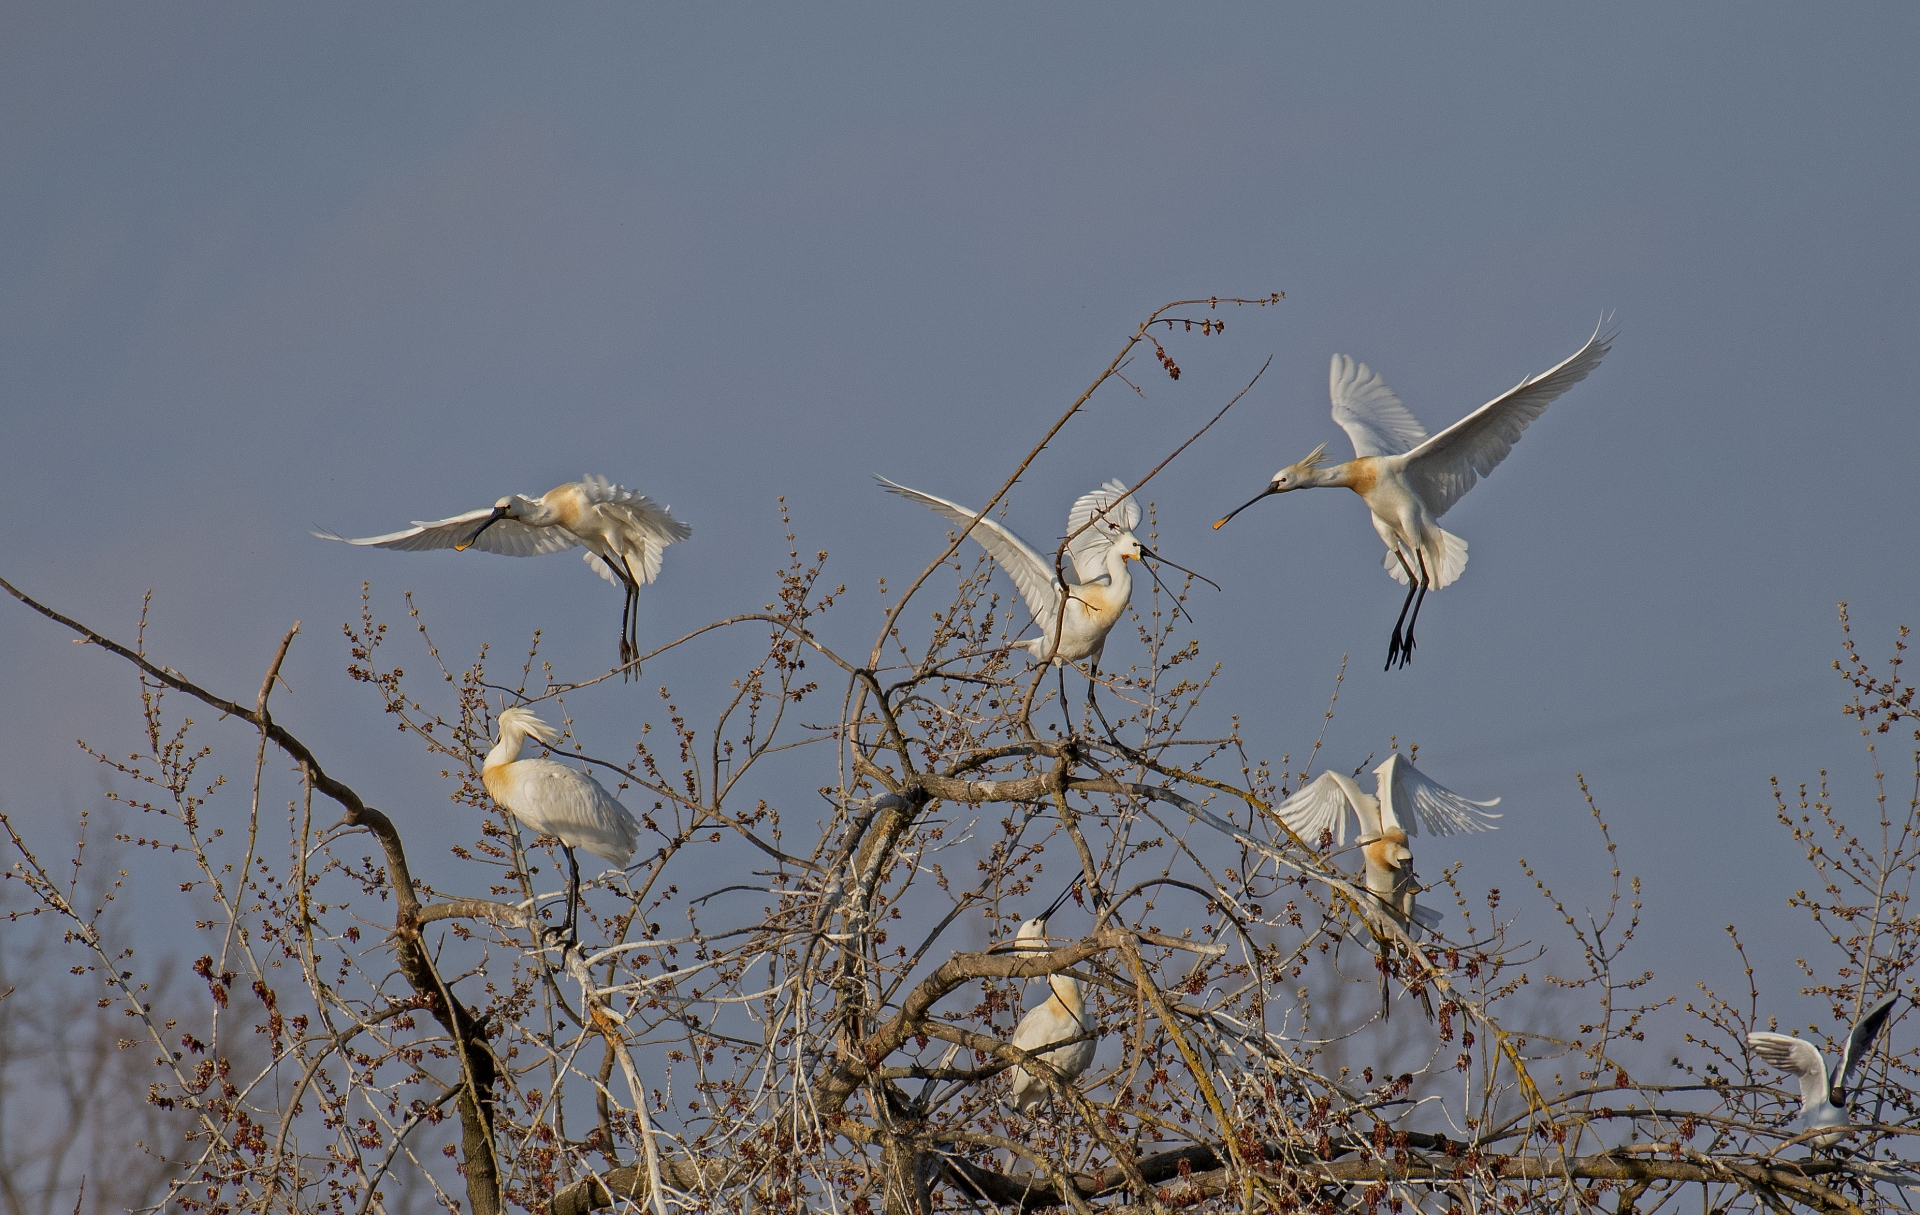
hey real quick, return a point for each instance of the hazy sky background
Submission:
(267, 268)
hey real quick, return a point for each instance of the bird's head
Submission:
(1127, 545)
(522, 720)
(1298, 475)
(1397, 850)
(1032, 934)
(506, 508)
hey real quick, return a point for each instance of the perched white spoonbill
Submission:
(556, 800)
(624, 533)
(1098, 582)
(1403, 798)
(1063, 1015)
(1823, 1093)
(1408, 480)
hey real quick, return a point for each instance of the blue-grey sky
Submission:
(267, 268)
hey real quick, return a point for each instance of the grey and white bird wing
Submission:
(1320, 806)
(507, 537)
(571, 806)
(1860, 1041)
(1111, 509)
(1032, 574)
(1796, 1057)
(1367, 410)
(1439, 809)
(1451, 462)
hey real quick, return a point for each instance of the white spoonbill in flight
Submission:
(1823, 1093)
(624, 533)
(556, 800)
(1409, 480)
(1062, 1016)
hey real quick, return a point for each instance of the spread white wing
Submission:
(1367, 410)
(1321, 806)
(1433, 805)
(1112, 510)
(1448, 464)
(506, 537)
(1032, 574)
(1796, 1057)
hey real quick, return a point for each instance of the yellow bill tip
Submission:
(1219, 524)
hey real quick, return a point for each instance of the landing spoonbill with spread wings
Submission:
(1062, 1016)
(1823, 1093)
(1075, 616)
(1403, 799)
(556, 800)
(624, 533)
(1409, 480)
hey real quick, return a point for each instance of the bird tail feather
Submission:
(1453, 561)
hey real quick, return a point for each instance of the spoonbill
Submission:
(1098, 582)
(1402, 799)
(1061, 1016)
(1408, 480)
(1823, 1093)
(556, 800)
(624, 533)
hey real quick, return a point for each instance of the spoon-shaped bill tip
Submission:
(499, 513)
(1244, 505)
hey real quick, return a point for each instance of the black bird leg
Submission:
(1413, 584)
(1112, 736)
(630, 632)
(1426, 581)
(1060, 669)
(573, 897)
(626, 650)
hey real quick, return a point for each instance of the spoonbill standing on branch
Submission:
(1823, 1093)
(624, 533)
(1402, 799)
(1062, 1016)
(1408, 480)
(556, 800)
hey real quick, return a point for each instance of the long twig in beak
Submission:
(1062, 900)
(1244, 505)
(1153, 556)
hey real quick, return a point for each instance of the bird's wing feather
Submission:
(1088, 550)
(1436, 807)
(1318, 807)
(571, 806)
(506, 537)
(1031, 573)
(1797, 1057)
(1447, 465)
(1860, 1041)
(601, 568)
(1367, 410)
(648, 523)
